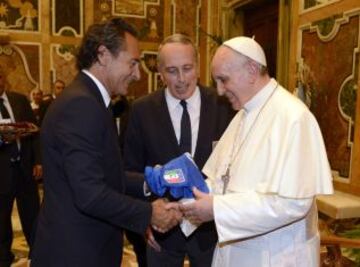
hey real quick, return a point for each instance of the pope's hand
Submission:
(199, 211)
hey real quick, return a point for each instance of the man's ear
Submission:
(103, 55)
(161, 75)
(253, 70)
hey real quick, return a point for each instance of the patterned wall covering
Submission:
(14, 58)
(63, 62)
(331, 88)
(57, 36)
(19, 15)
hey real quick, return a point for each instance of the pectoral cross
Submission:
(226, 178)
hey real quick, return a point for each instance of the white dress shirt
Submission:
(176, 110)
(8, 107)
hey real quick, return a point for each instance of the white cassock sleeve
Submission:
(243, 215)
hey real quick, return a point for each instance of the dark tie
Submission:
(14, 150)
(185, 134)
(4, 112)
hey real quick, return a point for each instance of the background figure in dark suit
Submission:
(38, 105)
(57, 88)
(121, 108)
(20, 166)
(85, 208)
(155, 135)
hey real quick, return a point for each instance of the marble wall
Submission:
(325, 69)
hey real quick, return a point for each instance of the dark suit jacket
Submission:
(30, 145)
(40, 112)
(150, 140)
(84, 207)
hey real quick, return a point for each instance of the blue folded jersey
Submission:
(178, 176)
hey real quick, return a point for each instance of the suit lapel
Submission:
(91, 87)
(207, 122)
(164, 116)
(15, 107)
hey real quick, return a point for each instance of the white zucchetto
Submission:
(248, 47)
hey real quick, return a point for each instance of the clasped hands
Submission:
(166, 214)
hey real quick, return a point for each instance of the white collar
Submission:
(173, 102)
(4, 96)
(104, 93)
(259, 99)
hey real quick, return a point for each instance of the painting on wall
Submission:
(19, 15)
(311, 4)
(132, 7)
(327, 74)
(146, 16)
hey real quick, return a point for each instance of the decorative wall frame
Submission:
(63, 62)
(310, 5)
(67, 18)
(328, 67)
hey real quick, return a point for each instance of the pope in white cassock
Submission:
(265, 171)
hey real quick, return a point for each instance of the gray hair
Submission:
(180, 39)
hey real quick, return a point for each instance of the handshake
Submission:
(165, 215)
(178, 177)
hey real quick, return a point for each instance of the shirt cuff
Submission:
(146, 190)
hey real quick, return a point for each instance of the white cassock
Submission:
(268, 216)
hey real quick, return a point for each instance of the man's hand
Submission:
(199, 211)
(165, 215)
(37, 171)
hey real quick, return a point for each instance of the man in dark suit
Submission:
(38, 105)
(19, 165)
(156, 134)
(85, 208)
(57, 88)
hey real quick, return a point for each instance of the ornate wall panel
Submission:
(21, 63)
(328, 65)
(63, 62)
(64, 23)
(67, 18)
(19, 15)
